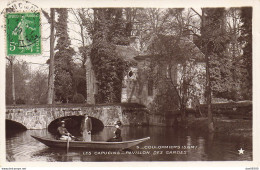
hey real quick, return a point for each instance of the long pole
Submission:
(68, 144)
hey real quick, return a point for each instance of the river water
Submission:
(183, 145)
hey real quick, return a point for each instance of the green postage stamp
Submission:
(23, 33)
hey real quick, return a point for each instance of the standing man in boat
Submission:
(117, 137)
(86, 128)
(63, 132)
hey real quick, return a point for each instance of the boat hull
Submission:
(89, 145)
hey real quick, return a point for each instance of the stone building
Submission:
(126, 52)
(138, 87)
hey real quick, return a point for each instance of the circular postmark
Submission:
(20, 6)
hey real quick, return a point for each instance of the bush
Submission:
(78, 98)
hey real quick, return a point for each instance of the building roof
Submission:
(188, 47)
(127, 52)
(191, 49)
(185, 44)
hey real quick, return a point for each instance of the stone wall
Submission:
(242, 109)
(135, 116)
(39, 117)
(169, 120)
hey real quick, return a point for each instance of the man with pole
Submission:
(86, 127)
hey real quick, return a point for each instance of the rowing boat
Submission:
(89, 145)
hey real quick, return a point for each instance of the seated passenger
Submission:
(63, 132)
(117, 137)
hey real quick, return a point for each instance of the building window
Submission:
(130, 74)
(150, 87)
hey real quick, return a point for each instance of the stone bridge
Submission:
(41, 116)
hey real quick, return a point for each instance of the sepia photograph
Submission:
(127, 84)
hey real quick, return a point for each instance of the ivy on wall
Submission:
(108, 66)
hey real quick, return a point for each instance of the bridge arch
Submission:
(73, 123)
(14, 125)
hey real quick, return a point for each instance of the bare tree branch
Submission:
(47, 16)
(196, 12)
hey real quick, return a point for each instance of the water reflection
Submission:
(186, 145)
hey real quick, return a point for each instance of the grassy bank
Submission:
(232, 127)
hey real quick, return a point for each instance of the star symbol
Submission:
(241, 151)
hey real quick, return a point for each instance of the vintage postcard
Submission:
(129, 83)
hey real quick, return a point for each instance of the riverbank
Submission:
(232, 127)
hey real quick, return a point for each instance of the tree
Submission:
(83, 19)
(212, 43)
(79, 80)
(246, 40)
(164, 36)
(109, 68)
(63, 59)
(51, 95)
(225, 69)
(11, 60)
(175, 71)
(37, 88)
(30, 86)
(51, 21)
(17, 82)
